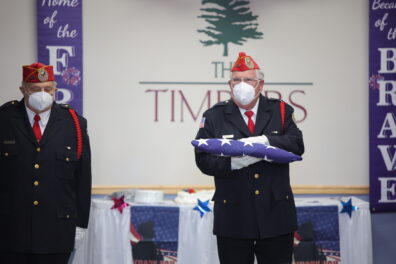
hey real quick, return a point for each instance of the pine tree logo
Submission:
(231, 21)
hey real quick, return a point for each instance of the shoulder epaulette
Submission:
(14, 102)
(274, 100)
(66, 106)
(223, 103)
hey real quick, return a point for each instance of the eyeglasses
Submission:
(246, 80)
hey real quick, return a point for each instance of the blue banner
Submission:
(59, 43)
(382, 102)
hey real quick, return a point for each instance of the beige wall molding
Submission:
(297, 189)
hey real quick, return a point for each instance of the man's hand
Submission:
(259, 140)
(242, 162)
(80, 234)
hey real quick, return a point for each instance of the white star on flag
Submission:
(246, 143)
(202, 141)
(270, 147)
(267, 159)
(225, 141)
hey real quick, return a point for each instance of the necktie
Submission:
(250, 124)
(36, 127)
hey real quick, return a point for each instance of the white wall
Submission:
(128, 41)
(17, 44)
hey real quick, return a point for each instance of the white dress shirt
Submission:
(254, 110)
(44, 117)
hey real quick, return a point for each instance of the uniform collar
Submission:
(44, 116)
(254, 109)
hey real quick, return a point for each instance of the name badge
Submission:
(274, 132)
(228, 136)
(9, 142)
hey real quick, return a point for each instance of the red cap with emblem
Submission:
(244, 63)
(38, 72)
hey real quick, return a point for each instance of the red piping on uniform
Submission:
(282, 111)
(78, 132)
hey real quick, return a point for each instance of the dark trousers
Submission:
(23, 258)
(274, 250)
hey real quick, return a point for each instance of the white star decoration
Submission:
(202, 141)
(225, 141)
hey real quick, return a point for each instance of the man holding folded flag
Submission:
(254, 210)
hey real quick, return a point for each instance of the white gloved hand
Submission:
(244, 161)
(259, 140)
(80, 234)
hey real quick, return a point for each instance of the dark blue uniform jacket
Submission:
(45, 191)
(255, 201)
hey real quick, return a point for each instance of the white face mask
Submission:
(40, 100)
(244, 93)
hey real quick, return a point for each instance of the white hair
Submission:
(259, 74)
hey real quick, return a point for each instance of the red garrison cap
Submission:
(38, 72)
(244, 63)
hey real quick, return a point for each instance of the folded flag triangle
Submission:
(234, 148)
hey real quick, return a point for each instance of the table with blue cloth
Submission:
(329, 231)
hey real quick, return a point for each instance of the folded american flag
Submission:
(233, 148)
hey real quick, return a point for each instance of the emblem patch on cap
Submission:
(249, 63)
(42, 75)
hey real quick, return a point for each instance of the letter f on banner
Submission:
(55, 56)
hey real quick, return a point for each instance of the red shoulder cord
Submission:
(78, 132)
(282, 111)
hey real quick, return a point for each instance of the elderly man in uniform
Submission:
(254, 210)
(45, 174)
